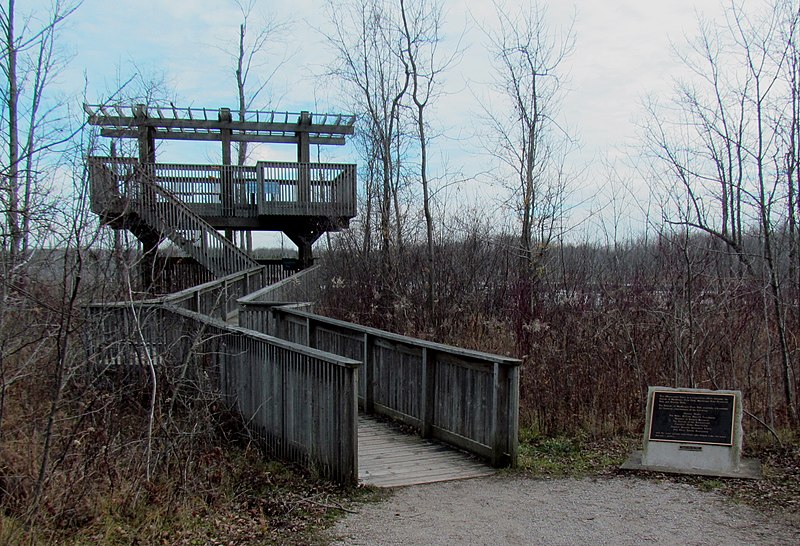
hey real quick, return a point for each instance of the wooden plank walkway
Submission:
(390, 458)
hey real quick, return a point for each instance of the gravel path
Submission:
(512, 510)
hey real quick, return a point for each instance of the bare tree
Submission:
(422, 22)
(259, 56)
(31, 129)
(370, 65)
(727, 144)
(528, 140)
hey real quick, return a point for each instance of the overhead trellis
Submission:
(173, 123)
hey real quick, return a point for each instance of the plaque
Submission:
(692, 417)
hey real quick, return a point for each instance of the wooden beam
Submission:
(254, 126)
(235, 137)
(369, 373)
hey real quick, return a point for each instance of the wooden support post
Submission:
(303, 142)
(224, 300)
(369, 374)
(277, 320)
(494, 435)
(513, 414)
(147, 136)
(350, 417)
(226, 182)
(311, 333)
(260, 189)
(499, 433)
(428, 392)
(222, 359)
(225, 134)
(303, 158)
(305, 254)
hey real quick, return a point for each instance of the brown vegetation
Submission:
(594, 328)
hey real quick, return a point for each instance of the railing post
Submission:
(499, 434)
(223, 372)
(369, 374)
(428, 391)
(311, 333)
(260, 189)
(513, 411)
(495, 408)
(303, 185)
(226, 190)
(351, 191)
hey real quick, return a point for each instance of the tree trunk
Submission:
(12, 215)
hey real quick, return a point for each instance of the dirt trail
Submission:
(513, 510)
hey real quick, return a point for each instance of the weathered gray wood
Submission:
(513, 426)
(390, 459)
(205, 124)
(230, 191)
(301, 287)
(498, 439)
(299, 401)
(428, 391)
(368, 372)
(466, 398)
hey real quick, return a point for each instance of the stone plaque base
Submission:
(749, 469)
(693, 431)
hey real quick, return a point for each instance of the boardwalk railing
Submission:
(267, 189)
(465, 398)
(180, 272)
(299, 401)
(216, 299)
(219, 298)
(300, 290)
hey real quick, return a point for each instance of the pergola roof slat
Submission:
(208, 124)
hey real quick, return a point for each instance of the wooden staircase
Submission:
(153, 213)
(171, 218)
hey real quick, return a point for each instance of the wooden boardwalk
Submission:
(390, 458)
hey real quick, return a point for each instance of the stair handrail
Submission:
(146, 195)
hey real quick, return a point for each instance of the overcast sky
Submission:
(623, 51)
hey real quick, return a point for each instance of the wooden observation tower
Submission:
(191, 204)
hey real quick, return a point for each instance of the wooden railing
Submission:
(465, 398)
(313, 189)
(267, 189)
(109, 179)
(178, 273)
(299, 290)
(213, 190)
(300, 402)
(218, 298)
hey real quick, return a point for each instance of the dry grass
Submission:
(240, 497)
